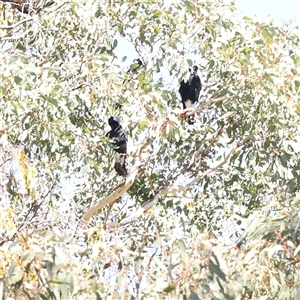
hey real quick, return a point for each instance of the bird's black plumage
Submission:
(137, 64)
(118, 134)
(190, 91)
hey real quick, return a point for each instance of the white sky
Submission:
(283, 10)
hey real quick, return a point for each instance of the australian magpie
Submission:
(190, 91)
(137, 64)
(118, 134)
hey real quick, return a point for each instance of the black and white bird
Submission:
(137, 64)
(118, 134)
(190, 91)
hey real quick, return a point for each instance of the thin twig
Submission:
(16, 24)
(57, 8)
(7, 37)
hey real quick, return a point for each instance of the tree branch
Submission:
(166, 190)
(188, 112)
(198, 178)
(7, 37)
(59, 7)
(114, 196)
(203, 152)
(15, 25)
(136, 214)
(117, 194)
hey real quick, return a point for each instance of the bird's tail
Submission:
(188, 104)
(191, 120)
(120, 165)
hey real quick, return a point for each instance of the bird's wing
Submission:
(199, 84)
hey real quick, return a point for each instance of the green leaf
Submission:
(215, 269)
(194, 296)
(226, 25)
(115, 44)
(171, 287)
(99, 12)
(248, 19)
(189, 6)
(52, 101)
(64, 291)
(265, 33)
(182, 247)
(17, 80)
(49, 267)
(28, 256)
(11, 269)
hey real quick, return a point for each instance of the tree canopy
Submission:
(208, 211)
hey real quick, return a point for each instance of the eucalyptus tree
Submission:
(206, 211)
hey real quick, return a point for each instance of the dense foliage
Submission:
(208, 211)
